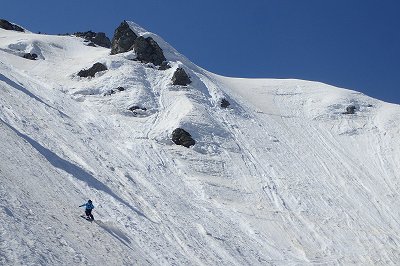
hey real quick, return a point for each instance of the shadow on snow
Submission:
(24, 90)
(73, 169)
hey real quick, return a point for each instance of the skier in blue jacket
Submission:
(88, 209)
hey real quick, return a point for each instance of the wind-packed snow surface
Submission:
(282, 176)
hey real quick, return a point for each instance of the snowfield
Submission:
(281, 177)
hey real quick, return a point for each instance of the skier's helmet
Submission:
(90, 201)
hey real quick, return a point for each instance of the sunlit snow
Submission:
(282, 176)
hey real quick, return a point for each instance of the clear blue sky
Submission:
(353, 44)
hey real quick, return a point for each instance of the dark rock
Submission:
(136, 107)
(351, 109)
(108, 93)
(148, 51)
(123, 39)
(180, 77)
(87, 35)
(113, 91)
(102, 40)
(91, 44)
(182, 137)
(98, 38)
(4, 24)
(30, 56)
(164, 66)
(224, 103)
(97, 67)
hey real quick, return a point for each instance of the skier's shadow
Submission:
(119, 235)
(73, 169)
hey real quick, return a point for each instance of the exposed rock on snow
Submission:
(180, 77)
(224, 103)
(136, 109)
(123, 39)
(148, 51)
(30, 56)
(351, 109)
(113, 91)
(182, 137)
(239, 196)
(108, 93)
(98, 38)
(164, 66)
(91, 72)
(4, 24)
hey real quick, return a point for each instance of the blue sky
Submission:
(353, 44)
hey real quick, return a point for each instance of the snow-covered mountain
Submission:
(283, 176)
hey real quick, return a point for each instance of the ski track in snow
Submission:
(280, 177)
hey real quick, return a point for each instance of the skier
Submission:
(88, 209)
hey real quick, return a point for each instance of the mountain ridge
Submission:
(282, 176)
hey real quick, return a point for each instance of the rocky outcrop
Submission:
(123, 39)
(148, 51)
(98, 38)
(30, 56)
(97, 67)
(4, 24)
(224, 103)
(102, 40)
(180, 77)
(351, 109)
(182, 137)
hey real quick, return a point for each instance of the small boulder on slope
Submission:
(97, 67)
(224, 103)
(30, 56)
(182, 137)
(350, 110)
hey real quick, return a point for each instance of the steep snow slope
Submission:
(281, 177)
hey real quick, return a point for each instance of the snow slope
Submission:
(281, 177)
